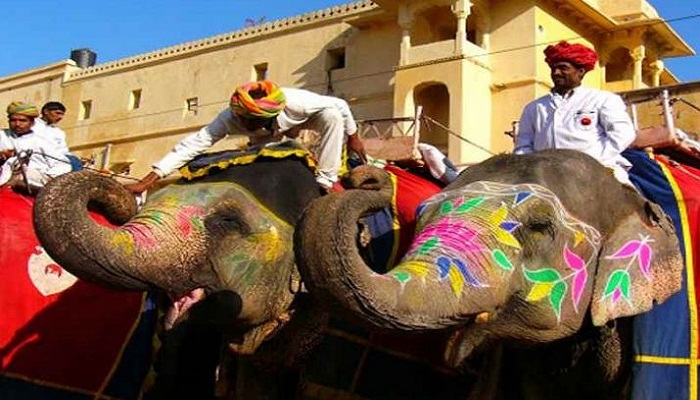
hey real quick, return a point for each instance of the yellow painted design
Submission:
(498, 216)
(273, 245)
(420, 269)
(456, 280)
(506, 238)
(578, 238)
(539, 291)
(125, 241)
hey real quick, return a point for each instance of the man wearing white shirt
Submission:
(46, 160)
(263, 111)
(595, 122)
(51, 114)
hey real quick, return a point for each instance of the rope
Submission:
(427, 118)
(99, 171)
(689, 104)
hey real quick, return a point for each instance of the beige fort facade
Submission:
(471, 65)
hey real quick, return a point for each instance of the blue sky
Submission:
(117, 29)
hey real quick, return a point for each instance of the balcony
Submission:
(431, 52)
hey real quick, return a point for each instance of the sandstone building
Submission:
(471, 65)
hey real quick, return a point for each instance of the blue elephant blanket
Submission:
(667, 338)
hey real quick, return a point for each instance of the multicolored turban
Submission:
(577, 54)
(262, 99)
(17, 107)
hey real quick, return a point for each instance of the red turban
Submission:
(577, 54)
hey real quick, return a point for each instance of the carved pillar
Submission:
(405, 22)
(603, 60)
(637, 54)
(481, 11)
(657, 67)
(461, 9)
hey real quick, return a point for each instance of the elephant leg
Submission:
(489, 384)
(254, 382)
(186, 363)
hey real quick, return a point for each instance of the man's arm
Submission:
(618, 127)
(190, 147)
(525, 140)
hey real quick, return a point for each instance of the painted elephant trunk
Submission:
(127, 257)
(336, 273)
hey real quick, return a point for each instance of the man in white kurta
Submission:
(593, 121)
(45, 161)
(51, 114)
(263, 111)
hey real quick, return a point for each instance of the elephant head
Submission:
(229, 232)
(523, 248)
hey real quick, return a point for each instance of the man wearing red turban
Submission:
(261, 110)
(574, 117)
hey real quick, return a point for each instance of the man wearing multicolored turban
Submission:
(262, 110)
(571, 116)
(45, 161)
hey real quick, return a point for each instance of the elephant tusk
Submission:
(482, 317)
(254, 338)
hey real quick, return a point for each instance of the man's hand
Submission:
(143, 185)
(5, 154)
(355, 144)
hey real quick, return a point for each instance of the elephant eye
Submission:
(227, 221)
(541, 226)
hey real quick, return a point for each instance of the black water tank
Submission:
(83, 57)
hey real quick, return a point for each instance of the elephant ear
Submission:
(639, 264)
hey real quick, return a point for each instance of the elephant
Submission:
(227, 234)
(533, 264)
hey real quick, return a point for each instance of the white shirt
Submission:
(52, 133)
(46, 161)
(592, 121)
(300, 106)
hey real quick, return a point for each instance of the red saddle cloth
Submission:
(410, 191)
(56, 331)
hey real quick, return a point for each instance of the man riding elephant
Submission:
(265, 112)
(44, 159)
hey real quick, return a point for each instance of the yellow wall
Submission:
(487, 87)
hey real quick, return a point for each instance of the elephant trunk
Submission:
(335, 272)
(129, 257)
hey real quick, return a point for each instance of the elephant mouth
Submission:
(461, 343)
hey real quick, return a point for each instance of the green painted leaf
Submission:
(615, 280)
(158, 216)
(556, 297)
(428, 245)
(625, 285)
(502, 260)
(197, 223)
(402, 277)
(544, 275)
(469, 204)
(446, 208)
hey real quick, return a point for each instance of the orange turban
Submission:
(262, 99)
(577, 54)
